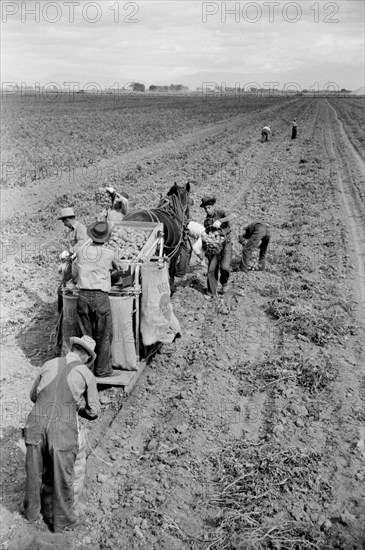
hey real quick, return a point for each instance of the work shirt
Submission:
(77, 236)
(92, 266)
(266, 129)
(250, 228)
(195, 231)
(217, 215)
(80, 381)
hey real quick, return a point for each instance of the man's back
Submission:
(92, 267)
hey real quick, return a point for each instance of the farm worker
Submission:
(56, 447)
(258, 236)
(193, 233)
(78, 233)
(219, 264)
(265, 133)
(119, 206)
(91, 272)
(77, 236)
(294, 129)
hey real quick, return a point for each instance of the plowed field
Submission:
(247, 433)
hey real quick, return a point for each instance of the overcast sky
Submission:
(157, 41)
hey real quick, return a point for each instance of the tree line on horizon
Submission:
(138, 87)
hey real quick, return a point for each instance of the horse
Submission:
(173, 211)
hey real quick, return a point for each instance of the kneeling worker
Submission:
(91, 272)
(258, 236)
(56, 447)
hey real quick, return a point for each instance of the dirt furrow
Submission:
(341, 148)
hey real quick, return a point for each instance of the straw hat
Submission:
(87, 343)
(66, 213)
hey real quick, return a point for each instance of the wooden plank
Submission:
(123, 379)
(126, 378)
(135, 377)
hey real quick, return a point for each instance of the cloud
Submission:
(179, 37)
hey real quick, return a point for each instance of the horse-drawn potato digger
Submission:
(149, 247)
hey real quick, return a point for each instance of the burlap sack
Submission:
(158, 321)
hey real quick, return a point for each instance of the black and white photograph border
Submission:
(182, 306)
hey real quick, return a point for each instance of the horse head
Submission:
(183, 194)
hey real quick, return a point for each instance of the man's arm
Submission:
(225, 226)
(243, 236)
(91, 408)
(81, 236)
(33, 392)
(74, 270)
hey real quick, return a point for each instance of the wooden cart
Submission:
(128, 287)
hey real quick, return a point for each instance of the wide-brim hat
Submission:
(66, 213)
(99, 231)
(206, 201)
(87, 343)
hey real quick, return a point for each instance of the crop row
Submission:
(42, 138)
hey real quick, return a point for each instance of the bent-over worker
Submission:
(56, 447)
(219, 264)
(258, 236)
(265, 133)
(91, 272)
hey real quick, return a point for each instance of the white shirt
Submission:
(195, 231)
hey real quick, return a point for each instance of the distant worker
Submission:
(258, 236)
(219, 264)
(91, 272)
(294, 129)
(265, 133)
(56, 447)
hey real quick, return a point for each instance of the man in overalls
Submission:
(56, 447)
